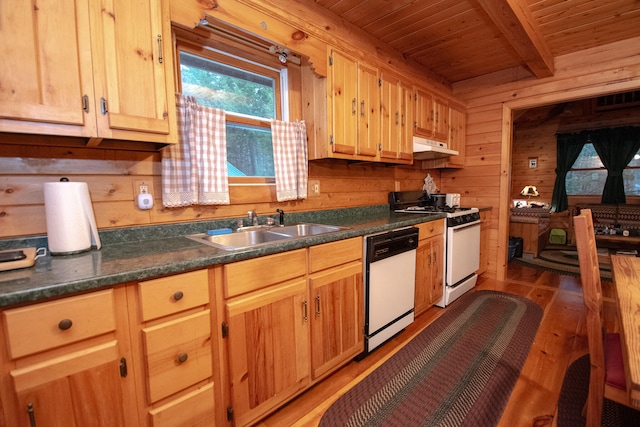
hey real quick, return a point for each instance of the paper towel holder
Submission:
(67, 206)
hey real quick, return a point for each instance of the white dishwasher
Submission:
(390, 280)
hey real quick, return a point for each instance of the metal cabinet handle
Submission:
(318, 306)
(305, 310)
(160, 59)
(32, 415)
(178, 295)
(85, 103)
(429, 259)
(402, 119)
(353, 106)
(182, 357)
(397, 118)
(65, 324)
(362, 108)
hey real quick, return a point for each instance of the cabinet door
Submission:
(429, 265)
(405, 144)
(457, 136)
(440, 119)
(337, 317)
(368, 111)
(132, 67)
(268, 348)
(344, 100)
(46, 68)
(83, 388)
(390, 117)
(424, 114)
(437, 268)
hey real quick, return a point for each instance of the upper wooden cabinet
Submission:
(456, 140)
(431, 115)
(396, 120)
(96, 69)
(354, 108)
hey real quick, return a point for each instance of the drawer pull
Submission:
(178, 295)
(182, 357)
(65, 324)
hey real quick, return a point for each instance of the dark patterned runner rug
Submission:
(459, 371)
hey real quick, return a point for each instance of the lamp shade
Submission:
(530, 190)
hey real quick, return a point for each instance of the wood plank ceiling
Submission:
(463, 39)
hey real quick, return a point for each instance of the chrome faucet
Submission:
(253, 218)
(281, 212)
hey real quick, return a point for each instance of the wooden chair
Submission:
(606, 377)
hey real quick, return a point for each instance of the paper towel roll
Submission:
(71, 225)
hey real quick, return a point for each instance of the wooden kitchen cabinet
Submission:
(268, 348)
(171, 328)
(429, 265)
(431, 115)
(95, 69)
(267, 318)
(65, 363)
(337, 302)
(396, 139)
(354, 108)
(485, 218)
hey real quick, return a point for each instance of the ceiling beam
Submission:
(515, 21)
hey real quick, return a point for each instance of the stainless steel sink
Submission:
(263, 235)
(307, 229)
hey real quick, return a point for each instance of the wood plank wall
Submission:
(487, 178)
(111, 176)
(535, 136)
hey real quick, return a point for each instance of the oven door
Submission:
(463, 252)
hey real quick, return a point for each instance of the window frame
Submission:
(251, 59)
(597, 169)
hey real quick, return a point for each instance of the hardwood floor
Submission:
(561, 338)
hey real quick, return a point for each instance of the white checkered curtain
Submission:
(194, 171)
(290, 159)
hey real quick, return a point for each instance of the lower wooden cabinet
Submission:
(171, 329)
(337, 300)
(295, 328)
(268, 348)
(232, 342)
(65, 363)
(429, 265)
(485, 218)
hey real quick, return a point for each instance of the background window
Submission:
(249, 92)
(588, 175)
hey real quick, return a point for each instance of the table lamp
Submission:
(529, 191)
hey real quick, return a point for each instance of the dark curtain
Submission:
(568, 150)
(616, 148)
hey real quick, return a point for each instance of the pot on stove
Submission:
(436, 200)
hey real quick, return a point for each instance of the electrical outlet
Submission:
(313, 187)
(142, 187)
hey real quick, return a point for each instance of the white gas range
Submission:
(462, 239)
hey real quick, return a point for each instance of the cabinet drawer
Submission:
(253, 274)
(48, 325)
(334, 253)
(196, 408)
(178, 354)
(172, 294)
(430, 229)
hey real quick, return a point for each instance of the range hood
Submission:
(424, 148)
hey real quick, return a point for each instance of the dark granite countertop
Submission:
(146, 252)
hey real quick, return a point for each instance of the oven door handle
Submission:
(463, 226)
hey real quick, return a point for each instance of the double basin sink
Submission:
(249, 237)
